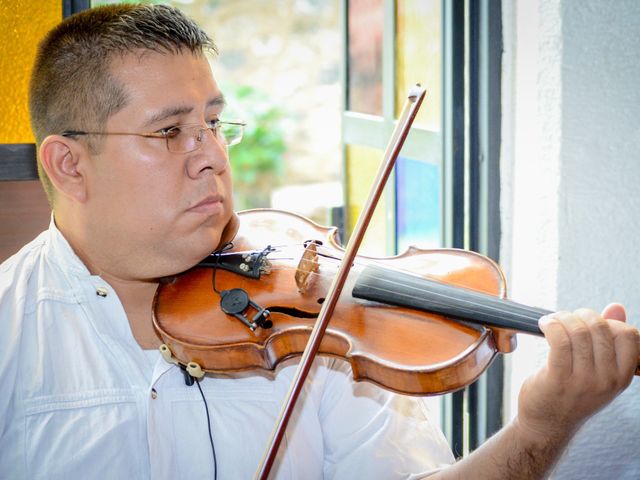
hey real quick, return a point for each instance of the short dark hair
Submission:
(71, 85)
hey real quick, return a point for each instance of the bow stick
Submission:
(408, 114)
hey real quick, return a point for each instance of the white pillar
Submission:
(571, 188)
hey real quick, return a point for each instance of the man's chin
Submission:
(181, 260)
(230, 230)
(189, 250)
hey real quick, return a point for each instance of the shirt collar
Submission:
(63, 254)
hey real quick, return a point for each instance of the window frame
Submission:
(469, 147)
(374, 131)
(472, 54)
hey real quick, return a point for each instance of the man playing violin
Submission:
(132, 142)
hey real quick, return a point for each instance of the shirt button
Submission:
(154, 394)
(101, 291)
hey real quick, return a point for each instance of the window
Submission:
(390, 47)
(445, 191)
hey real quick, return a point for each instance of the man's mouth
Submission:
(210, 205)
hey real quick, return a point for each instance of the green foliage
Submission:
(256, 162)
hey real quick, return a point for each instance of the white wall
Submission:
(571, 188)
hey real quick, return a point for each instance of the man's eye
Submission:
(170, 132)
(215, 123)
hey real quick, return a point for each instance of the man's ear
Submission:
(64, 160)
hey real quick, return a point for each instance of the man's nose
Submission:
(210, 157)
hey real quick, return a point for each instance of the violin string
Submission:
(408, 294)
(372, 261)
(524, 313)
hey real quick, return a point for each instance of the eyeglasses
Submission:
(184, 138)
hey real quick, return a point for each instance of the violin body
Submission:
(399, 348)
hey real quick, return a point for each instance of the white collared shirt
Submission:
(79, 398)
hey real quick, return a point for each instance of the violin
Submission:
(421, 323)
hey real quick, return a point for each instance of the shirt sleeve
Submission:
(13, 281)
(372, 433)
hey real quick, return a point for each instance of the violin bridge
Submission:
(308, 264)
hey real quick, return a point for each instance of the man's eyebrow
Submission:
(174, 111)
(167, 113)
(218, 101)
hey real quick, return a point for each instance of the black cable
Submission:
(218, 254)
(213, 448)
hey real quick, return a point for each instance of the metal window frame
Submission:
(472, 44)
(69, 7)
(18, 162)
(453, 177)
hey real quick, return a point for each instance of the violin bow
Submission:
(409, 111)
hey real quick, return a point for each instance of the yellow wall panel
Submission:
(22, 24)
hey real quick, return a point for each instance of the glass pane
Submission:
(364, 75)
(418, 56)
(418, 209)
(361, 170)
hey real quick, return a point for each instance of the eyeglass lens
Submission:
(188, 139)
